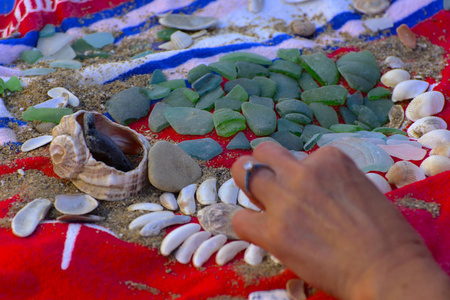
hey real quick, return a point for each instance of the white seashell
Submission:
(296, 289)
(76, 204)
(62, 92)
(79, 218)
(255, 6)
(254, 255)
(186, 199)
(207, 192)
(229, 251)
(278, 294)
(425, 125)
(207, 248)
(432, 86)
(36, 142)
(180, 40)
(425, 105)
(403, 173)
(379, 181)
(394, 62)
(435, 164)
(199, 33)
(187, 249)
(394, 77)
(404, 151)
(176, 237)
(434, 138)
(54, 103)
(169, 201)
(442, 150)
(217, 218)
(154, 228)
(187, 22)
(228, 192)
(408, 89)
(245, 201)
(371, 7)
(27, 219)
(141, 221)
(166, 46)
(145, 206)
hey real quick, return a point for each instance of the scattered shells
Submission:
(62, 92)
(186, 199)
(228, 192)
(296, 289)
(54, 103)
(403, 173)
(72, 159)
(441, 149)
(371, 7)
(176, 237)
(169, 201)
(36, 142)
(394, 62)
(187, 22)
(27, 219)
(435, 164)
(434, 138)
(255, 6)
(80, 219)
(245, 201)
(76, 204)
(425, 125)
(302, 28)
(217, 218)
(207, 248)
(396, 116)
(254, 255)
(207, 192)
(425, 105)
(407, 37)
(187, 249)
(408, 89)
(393, 77)
(154, 228)
(178, 40)
(143, 220)
(229, 251)
(379, 181)
(145, 206)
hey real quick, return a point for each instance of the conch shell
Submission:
(72, 159)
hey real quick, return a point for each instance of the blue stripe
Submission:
(4, 122)
(30, 39)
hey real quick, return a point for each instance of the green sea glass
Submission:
(287, 68)
(260, 119)
(156, 120)
(330, 95)
(286, 125)
(197, 72)
(287, 87)
(288, 140)
(268, 87)
(226, 69)
(189, 121)
(30, 56)
(155, 91)
(173, 84)
(291, 54)
(177, 98)
(204, 149)
(306, 82)
(250, 70)
(238, 93)
(321, 68)
(246, 56)
(52, 115)
(207, 100)
(157, 77)
(378, 93)
(250, 86)
(227, 122)
(240, 141)
(206, 83)
(325, 115)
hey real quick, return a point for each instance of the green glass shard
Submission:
(325, 115)
(306, 82)
(238, 93)
(30, 56)
(52, 115)
(321, 68)
(291, 54)
(177, 98)
(189, 121)
(227, 122)
(240, 141)
(156, 120)
(155, 92)
(226, 69)
(287, 68)
(287, 87)
(260, 119)
(286, 125)
(246, 56)
(250, 70)
(197, 72)
(268, 87)
(158, 77)
(207, 100)
(165, 33)
(330, 95)
(378, 93)
(173, 84)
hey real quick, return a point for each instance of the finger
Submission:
(249, 225)
(274, 154)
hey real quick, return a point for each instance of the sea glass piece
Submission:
(193, 96)
(226, 69)
(366, 116)
(30, 56)
(268, 87)
(287, 68)
(354, 99)
(287, 87)
(207, 101)
(165, 33)
(142, 54)
(188, 120)
(227, 122)
(329, 137)
(238, 93)
(291, 54)
(330, 95)
(156, 120)
(52, 115)
(177, 98)
(240, 141)
(158, 77)
(66, 64)
(288, 140)
(197, 72)
(47, 31)
(226, 102)
(310, 130)
(246, 56)
(360, 70)
(251, 87)
(257, 141)
(206, 83)
(381, 108)
(298, 118)
(260, 119)
(347, 115)
(389, 131)
(13, 84)
(155, 91)
(294, 106)
(342, 128)
(321, 68)
(307, 82)
(37, 72)
(51, 45)
(325, 115)
(266, 101)
(99, 40)
(204, 149)
(173, 84)
(309, 144)
(81, 46)
(187, 22)
(286, 125)
(378, 93)
(250, 70)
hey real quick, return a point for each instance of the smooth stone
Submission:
(30, 56)
(347, 115)
(291, 54)
(226, 102)
(155, 92)
(197, 72)
(288, 140)
(129, 105)
(309, 144)
(303, 28)
(360, 70)
(37, 72)
(287, 68)
(158, 77)
(260, 119)
(216, 218)
(330, 95)
(206, 83)
(378, 93)
(173, 84)
(45, 127)
(321, 68)
(99, 40)
(404, 151)
(294, 106)
(177, 98)
(397, 137)
(250, 70)
(66, 64)
(307, 82)
(102, 147)
(188, 120)
(226, 69)
(165, 33)
(51, 45)
(325, 115)
(238, 93)
(310, 130)
(156, 120)
(268, 87)
(343, 128)
(260, 140)
(246, 56)
(240, 141)
(251, 87)
(227, 122)
(286, 125)
(46, 114)
(265, 101)
(381, 108)
(170, 168)
(207, 101)
(204, 149)
(193, 96)
(287, 87)
(47, 31)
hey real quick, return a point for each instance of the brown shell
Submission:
(72, 159)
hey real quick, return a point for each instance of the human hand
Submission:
(330, 225)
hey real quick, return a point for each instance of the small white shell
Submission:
(154, 228)
(229, 251)
(176, 237)
(27, 219)
(254, 255)
(178, 40)
(435, 137)
(442, 150)
(245, 201)
(76, 204)
(169, 201)
(255, 6)
(403, 173)
(54, 103)
(425, 105)
(61, 92)
(145, 206)
(207, 248)
(394, 77)
(141, 221)
(408, 89)
(187, 249)
(186, 199)
(36, 142)
(379, 181)
(394, 62)
(425, 125)
(207, 192)
(228, 192)
(435, 164)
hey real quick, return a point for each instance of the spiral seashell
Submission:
(425, 105)
(435, 164)
(394, 77)
(442, 150)
(403, 173)
(409, 89)
(425, 125)
(72, 159)
(434, 138)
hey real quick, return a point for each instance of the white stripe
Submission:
(98, 227)
(69, 244)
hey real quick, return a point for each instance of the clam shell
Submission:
(434, 138)
(245, 201)
(394, 62)
(178, 40)
(442, 150)
(403, 173)
(54, 103)
(425, 105)
(396, 116)
(27, 219)
(186, 199)
(36, 142)
(207, 248)
(379, 181)
(187, 249)
(296, 289)
(80, 218)
(176, 237)
(393, 77)
(207, 192)
(371, 7)
(145, 206)
(143, 220)
(169, 201)
(75, 204)
(216, 218)
(154, 228)
(62, 92)
(187, 22)
(229, 251)
(435, 164)
(425, 125)
(72, 159)
(228, 192)
(254, 255)
(408, 89)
